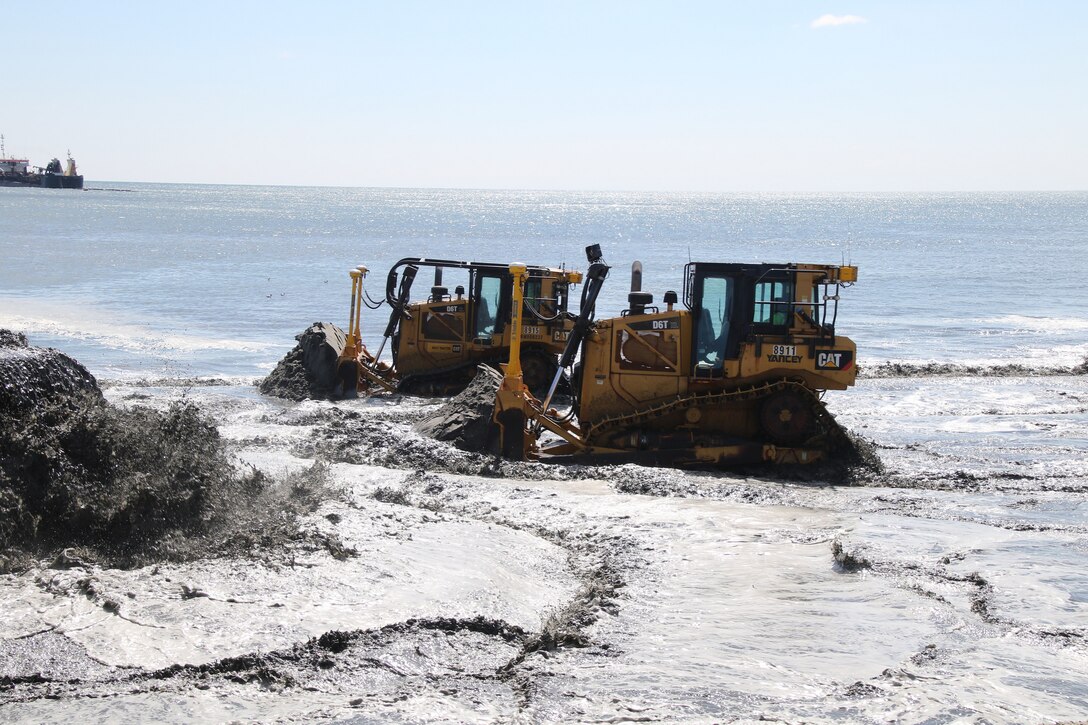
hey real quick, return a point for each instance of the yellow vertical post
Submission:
(512, 379)
(356, 282)
(359, 303)
(511, 401)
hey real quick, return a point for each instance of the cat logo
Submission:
(834, 359)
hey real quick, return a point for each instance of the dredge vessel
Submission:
(19, 172)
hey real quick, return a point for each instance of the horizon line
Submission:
(592, 190)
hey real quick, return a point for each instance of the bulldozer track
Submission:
(826, 423)
(436, 375)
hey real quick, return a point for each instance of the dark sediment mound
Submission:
(309, 369)
(363, 437)
(465, 420)
(933, 369)
(858, 460)
(121, 484)
(9, 338)
(34, 376)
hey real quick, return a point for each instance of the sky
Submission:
(687, 95)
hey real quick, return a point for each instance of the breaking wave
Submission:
(967, 370)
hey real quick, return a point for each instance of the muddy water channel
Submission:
(951, 587)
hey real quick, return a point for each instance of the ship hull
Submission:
(45, 181)
(57, 181)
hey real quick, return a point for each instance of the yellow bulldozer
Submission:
(734, 376)
(436, 344)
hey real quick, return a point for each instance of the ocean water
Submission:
(142, 279)
(952, 587)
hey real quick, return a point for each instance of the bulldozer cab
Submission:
(545, 298)
(733, 302)
(737, 309)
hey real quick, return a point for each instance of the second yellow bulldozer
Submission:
(437, 343)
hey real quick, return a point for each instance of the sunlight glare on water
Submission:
(247, 268)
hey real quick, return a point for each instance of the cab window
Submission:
(715, 307)
(487, 305)
(773, 301)
(533, 292)
(443, 325)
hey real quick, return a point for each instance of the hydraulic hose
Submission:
(398, 303)
(595, 277)
(547, 320)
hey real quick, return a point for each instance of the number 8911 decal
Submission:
(784, 354)
(825, 359)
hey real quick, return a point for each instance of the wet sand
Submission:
(952, 587)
